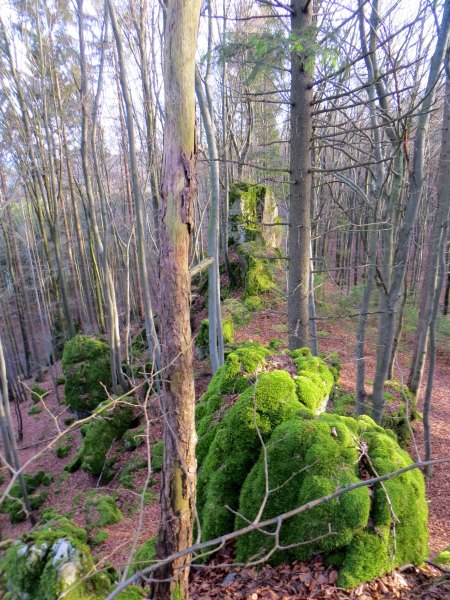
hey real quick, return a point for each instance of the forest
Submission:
(224, 299)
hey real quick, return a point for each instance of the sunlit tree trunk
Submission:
(175, 223)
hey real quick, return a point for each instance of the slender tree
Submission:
(175, 224)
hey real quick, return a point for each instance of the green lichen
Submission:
(144, 556)
(50, 561)
(109, 422)
(86, 364)
(101, 510)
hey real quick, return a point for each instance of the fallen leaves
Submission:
(302, 581)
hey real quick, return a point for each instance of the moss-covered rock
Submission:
(324, 454)
(109, 422)
(13, 506)
(257, 265)
(157, 456)
(134, 438)
(202, 339)
(86, 364)
(53, 561)
(132, 592)
(307, 457)
(252, 212)
(101, 510)
(37, 393)
(144, 556)
(63, 449)
(256, 412)
(134, 465)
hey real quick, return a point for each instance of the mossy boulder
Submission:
(13, 506)
(144, 556)
(378, 528)
(53, 561)
(101, 510)
(252, 214)
(257, 268)
(108, 423)
(86, 364)
(202, 339)
(134, 438)
(306, 456)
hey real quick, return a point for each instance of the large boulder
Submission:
(50, 562)
(86, 364)
(253, 215)
(262, 429)
(109, 422)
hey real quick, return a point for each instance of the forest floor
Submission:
(67, 493)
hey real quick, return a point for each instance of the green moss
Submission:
(134, 465)
(314, 381)
(257, 269)
(344, 404)
(61, 380)
(236, 311)
(100, 537)
(202, 339)
(134, 438)
(101, 511)
(63, 450)
(52, 560)
(86, 363)
(253, 303)
(35, 410)
(157, 456)
(13, 505)
(365, 559)
(144, 556)
(324, 454)
(37, 393)
(132, 592)
(260, 408)
(110, 421)
(443, 558)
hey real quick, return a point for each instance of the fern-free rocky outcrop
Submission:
(309, 454)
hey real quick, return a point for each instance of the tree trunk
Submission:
(175, 222)
(301, 181)
(436, 244)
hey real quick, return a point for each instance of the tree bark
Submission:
(301, 181)
(175, 222)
